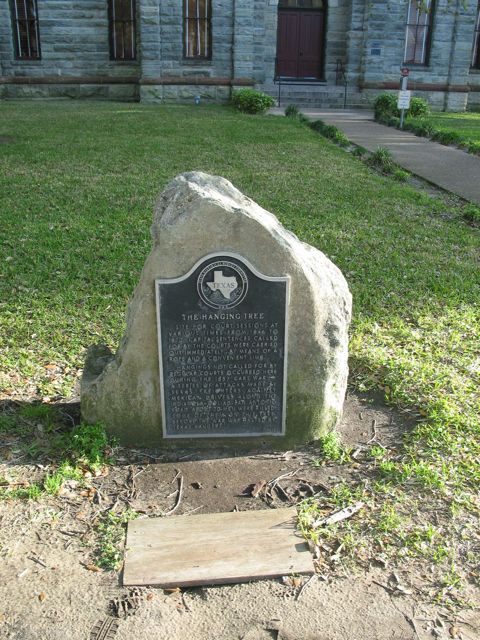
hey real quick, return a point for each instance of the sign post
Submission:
(403, 95)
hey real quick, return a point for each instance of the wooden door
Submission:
(300, 44)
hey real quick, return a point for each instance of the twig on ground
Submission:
(305, 585)
(338, 516)
(179, 494)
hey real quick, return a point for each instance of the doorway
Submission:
(300, 39)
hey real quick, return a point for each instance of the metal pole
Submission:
(403, 87)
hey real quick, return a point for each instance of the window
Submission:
(197, 29)
(122, 29)
(419, 23)
(25, 29)
(476, 42)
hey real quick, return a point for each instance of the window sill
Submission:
(417, 66)
(197, 62)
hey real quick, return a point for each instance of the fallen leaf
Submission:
(150, 596)
(174, 590)
(92, 567)
(453, 631)
(41, 596)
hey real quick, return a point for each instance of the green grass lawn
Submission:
(77, 187)
(465, 124)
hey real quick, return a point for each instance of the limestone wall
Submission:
(74, 45)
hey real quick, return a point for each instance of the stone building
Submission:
(170, 50)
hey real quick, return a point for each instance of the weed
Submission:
(31, 492)
(292, 111)
(382, 160)
(400, 174)
(389, 520)
(111, 534)
(471, 213)
(87, 446)
(332, 449)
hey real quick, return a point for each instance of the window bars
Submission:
(419, 23)
(25, 29)
(197, 29)
(122, 25)
(476, 42)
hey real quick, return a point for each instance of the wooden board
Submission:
(215, 548)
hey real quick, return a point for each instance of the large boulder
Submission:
(197, 215)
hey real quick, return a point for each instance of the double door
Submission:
(300, 44)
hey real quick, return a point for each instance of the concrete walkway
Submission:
(446, 167)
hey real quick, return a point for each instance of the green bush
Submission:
(418, 108)
(445, 136)
(385, 105)
(252, 101)
(292, 111)
(419, 127)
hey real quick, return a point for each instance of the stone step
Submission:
(322, 96)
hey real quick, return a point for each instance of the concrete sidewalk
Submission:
(446, 167)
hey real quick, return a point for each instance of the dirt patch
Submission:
(50, 587)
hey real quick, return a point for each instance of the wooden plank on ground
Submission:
(215, 548)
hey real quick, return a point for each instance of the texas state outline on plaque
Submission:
(225, 284)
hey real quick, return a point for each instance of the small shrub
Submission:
(252, 101)
(418, 108)
(382, 159)
(385, 105)
(471, 213)
(292, 111)
(358, 152)
(331, 132)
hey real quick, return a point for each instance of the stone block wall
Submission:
(75, 58)
(443, 80)
(368, 37)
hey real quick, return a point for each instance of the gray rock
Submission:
(196, 215)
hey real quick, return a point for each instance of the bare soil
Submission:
(49, 588)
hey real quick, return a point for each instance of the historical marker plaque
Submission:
(222, 335)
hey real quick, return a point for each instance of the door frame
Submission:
(323, 36)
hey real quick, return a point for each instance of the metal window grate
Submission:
(197, 29)
(122, 29)
(26, 35)
(417, 40)
(476, 42)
